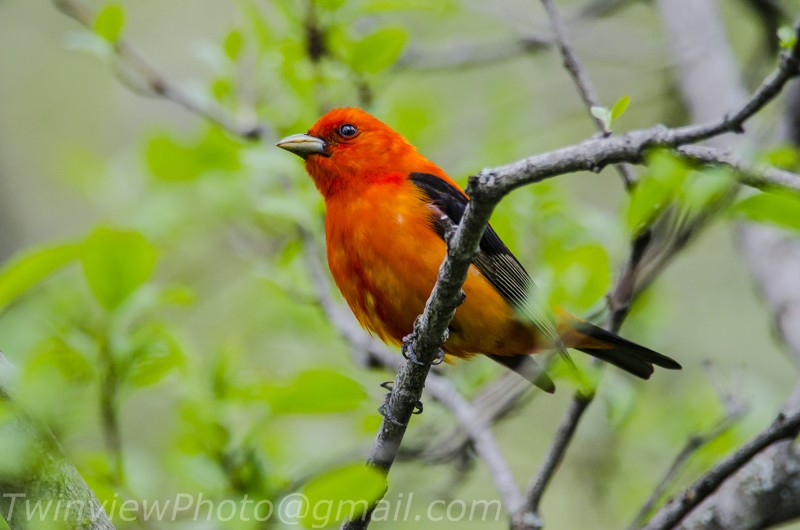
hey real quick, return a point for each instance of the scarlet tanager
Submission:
(385, 205)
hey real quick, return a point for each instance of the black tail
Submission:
(527, 368)
(623, 353)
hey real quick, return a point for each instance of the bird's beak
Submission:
(303, 145)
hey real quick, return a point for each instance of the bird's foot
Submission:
(384, 411)
(408, 352)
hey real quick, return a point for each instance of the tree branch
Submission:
(43, 476)
(761, 494)
(783, 428)
(562, 439)
(484, 443)
(758, 176)
(619, 300)
(594, 154)
(459, 56)
(694, 443)
(154, 83)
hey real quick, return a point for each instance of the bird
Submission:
(387, 212)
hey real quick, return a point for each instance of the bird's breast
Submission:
(384, 257)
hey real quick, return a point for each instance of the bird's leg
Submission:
(384, 411)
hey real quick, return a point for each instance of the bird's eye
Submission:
(348, 130)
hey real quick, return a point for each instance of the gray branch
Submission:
(783, 428)
(140, 76)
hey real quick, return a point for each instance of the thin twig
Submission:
(156, 84)
(109, 412)
(574, 66)
(693, 444)
(483, 440)
(496, 401)
(594, 154)
(464, 56)
(561, 440)
(754, 175)
(582, 81)
(783, 428)
(619, 299)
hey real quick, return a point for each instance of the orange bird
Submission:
(385, 205)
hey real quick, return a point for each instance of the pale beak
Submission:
(304, 145)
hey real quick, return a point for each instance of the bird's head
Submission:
(349, 149)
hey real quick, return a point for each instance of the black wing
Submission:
(500, 267)
(494, 259)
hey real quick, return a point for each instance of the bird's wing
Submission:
(494, 260)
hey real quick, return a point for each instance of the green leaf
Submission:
(158, 354)
(29, 268)
(222, 88)
(602, 114)
(116, 263)
(55, 353)
(109, 22)
(702, 190)
(379, 50)
(233, 44)
(787, 37)
(657, 188)
(318, 391)
(171, 160)
(774, 208)
(783, 156)
(340, 494)
(620, 107)
(329, 5)
(583, 273)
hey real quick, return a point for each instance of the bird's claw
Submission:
(439, 359)
(408, 352)
(384, 411)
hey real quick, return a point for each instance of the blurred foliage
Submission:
(177, 313)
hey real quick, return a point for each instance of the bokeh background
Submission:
(213, 370)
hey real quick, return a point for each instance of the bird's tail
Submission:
(613, 349)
